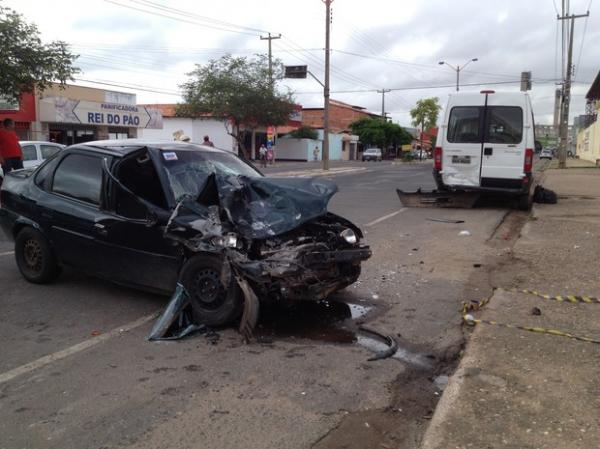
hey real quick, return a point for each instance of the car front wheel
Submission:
(35, 258)
(215, 301)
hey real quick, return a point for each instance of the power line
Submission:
(130, 86)
(438, 86)
(180, 19)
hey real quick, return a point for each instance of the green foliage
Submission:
(240, 89)
(425, 113)
(26, 62)
(374, 131)
(305, 132)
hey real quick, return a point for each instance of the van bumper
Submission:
(513, 187)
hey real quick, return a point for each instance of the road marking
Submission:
(385, 217)
(7, 253)
(86, 344)
(316, 172)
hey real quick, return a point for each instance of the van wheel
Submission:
(525, 202)
(213, 303)
(35, 258)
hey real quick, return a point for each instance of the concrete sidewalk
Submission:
(517, 389)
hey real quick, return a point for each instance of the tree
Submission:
(305, 132)
(237, 89)
(374, 131)
(26, 62)
(425, 113)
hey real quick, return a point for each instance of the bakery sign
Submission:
(66, 110)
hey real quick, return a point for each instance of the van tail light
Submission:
(528, 160)
(437, 158)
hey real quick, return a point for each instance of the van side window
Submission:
(464, 124)
(504, 124)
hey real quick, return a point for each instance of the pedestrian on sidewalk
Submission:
(207, 142)
(316, 154)
(262, 154)
(11, 154)
(270, 155)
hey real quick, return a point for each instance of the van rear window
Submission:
(504, 124)
(465, 124)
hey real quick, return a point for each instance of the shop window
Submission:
(80, 177)
(29, 153)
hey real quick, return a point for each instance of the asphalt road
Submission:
(76, 370)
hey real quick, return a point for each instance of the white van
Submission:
(486, 143)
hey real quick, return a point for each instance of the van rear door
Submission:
(461, 157)
(504, 142)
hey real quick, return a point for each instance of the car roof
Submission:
(45, 142)
(123, 147)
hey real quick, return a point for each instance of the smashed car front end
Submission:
(307, 263)
(276, 234)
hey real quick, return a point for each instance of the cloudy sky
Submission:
(150, 45)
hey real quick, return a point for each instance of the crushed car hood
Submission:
(258, 208)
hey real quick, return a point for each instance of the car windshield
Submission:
(187, 171)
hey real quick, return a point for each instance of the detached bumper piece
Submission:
(437, 198)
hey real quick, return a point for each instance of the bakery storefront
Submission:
(82, 114)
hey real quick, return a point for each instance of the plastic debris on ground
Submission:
(176, 322)
(464, 233)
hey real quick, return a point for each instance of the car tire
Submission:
(525, 202)
(212, 303)
(35, 258)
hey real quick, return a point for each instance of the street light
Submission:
(458, 68)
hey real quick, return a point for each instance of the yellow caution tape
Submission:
(573, 299)
(470, 320)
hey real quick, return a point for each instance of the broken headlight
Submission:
(349, 236)
(226, 241)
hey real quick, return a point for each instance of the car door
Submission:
(462, 145)
(140, 254)
(70, 209)
(503, 143)
(30, 155)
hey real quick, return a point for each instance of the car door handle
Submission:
(100, 228)
(488, 151)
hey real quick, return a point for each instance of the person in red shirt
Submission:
(11, 154)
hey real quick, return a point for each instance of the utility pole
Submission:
(382, 92)
(270, 38)
(326, 86)
(566, 96)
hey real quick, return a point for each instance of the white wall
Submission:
(196, 129)
(215, 130)
(170, 125)
(296, 149)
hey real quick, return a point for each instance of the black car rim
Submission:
(32, 255)
(207, 290)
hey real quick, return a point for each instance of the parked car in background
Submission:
(151, 214)
(546, 153)
(372, 154)
(36, 152)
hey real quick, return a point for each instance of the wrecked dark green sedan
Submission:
(152, 214)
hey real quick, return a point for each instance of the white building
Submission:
(194, 128)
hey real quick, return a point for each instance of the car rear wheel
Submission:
(35, 258)
(525, 202)
(213, 302)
